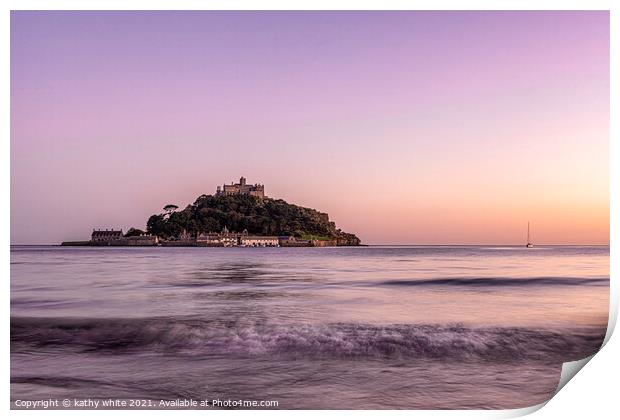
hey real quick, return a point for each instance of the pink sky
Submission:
(406, 127)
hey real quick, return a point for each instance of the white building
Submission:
(259, 241)
(229, 240)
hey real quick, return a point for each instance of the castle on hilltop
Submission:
(256, 190)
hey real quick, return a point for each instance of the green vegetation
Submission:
(243, 212)
(310, 237)
(169, 208)
(134, 232)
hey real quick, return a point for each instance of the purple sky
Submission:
(406, 127)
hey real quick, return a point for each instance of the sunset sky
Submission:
(406, 127)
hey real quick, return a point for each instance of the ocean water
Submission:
(315, 328)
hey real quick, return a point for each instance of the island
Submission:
(238, 214)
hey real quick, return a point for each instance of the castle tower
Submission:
(256, 190)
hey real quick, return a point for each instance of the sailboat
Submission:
(529, 242)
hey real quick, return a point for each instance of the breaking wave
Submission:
(502, 281)
(172, 336)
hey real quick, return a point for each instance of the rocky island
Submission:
(238, 214)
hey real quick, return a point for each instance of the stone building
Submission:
(256, 190)
(229, 238)
(100, 235)
(224, 238)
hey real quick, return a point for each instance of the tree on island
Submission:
(170, 208)
(134, 232)
(272, 217)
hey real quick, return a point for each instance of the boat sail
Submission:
(529, 242)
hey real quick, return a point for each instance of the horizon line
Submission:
(427, 245)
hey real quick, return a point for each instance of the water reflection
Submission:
(387, 327)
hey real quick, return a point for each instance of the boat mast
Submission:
(528, 232)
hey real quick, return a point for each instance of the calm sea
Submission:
(367, 327)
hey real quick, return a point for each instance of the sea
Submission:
(377, 327)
